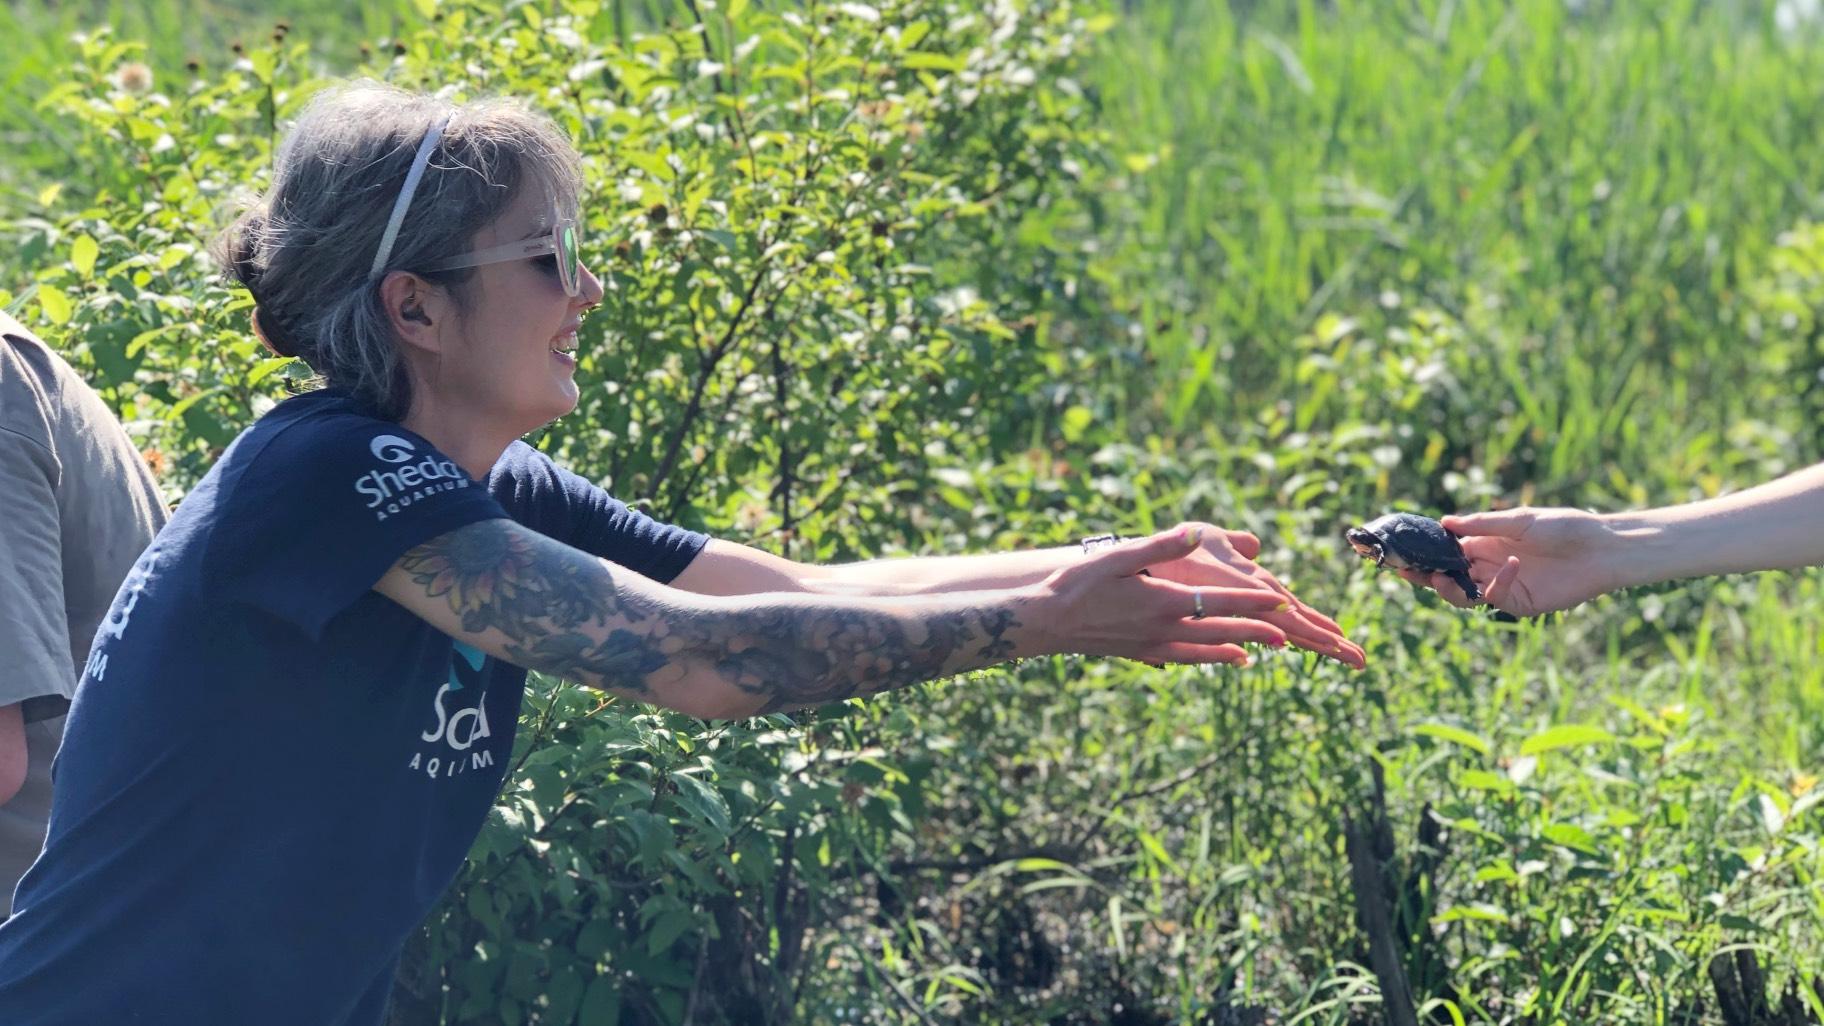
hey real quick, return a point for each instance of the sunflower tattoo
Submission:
(481, 573)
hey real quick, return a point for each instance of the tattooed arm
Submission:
(538, 603)
(1225, 559)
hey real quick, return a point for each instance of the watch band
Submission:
(1102, 541)
(1097, 541)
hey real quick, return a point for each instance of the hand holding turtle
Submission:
(1529, 561)
(1225, 559)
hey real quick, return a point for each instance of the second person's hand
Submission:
(1530, 561)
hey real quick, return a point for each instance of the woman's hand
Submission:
(1530, 561)
(1226, 559)
(1109, 608)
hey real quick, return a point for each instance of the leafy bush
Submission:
(796, 217)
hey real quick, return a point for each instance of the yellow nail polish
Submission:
(1194, 535)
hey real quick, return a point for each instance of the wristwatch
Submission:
(1102, 541)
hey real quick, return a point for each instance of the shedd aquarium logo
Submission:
(391, 490)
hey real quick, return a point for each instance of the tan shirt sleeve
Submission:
(34, 634)
(77, 507)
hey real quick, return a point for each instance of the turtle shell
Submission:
(1408, 541)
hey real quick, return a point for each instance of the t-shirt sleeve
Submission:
(311, 519)
(572, 509)
(34, 629)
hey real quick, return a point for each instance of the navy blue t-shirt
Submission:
(271, 771)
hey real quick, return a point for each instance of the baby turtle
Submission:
(1407, 541)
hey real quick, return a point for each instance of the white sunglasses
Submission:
(561, 243)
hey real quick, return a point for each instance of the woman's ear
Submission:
(414, 309)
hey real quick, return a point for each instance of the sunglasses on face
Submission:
(560, 244)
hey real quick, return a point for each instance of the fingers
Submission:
(1261, 615)
(1326, 645)
(1228, 614)
(1450, 591)
(1217, 630)
(1245, 543)
(1500, 590)
(1297, 603)
(1186, 652)
(1489, 552)
(1129, 558)
(1506, 523)
(1302, 632)
(1309, 629)
(1216, 601)
(1270, 581)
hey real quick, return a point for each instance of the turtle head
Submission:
(1366, 543)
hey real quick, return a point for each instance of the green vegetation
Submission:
(932, 277)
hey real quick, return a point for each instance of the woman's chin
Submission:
(562, 403)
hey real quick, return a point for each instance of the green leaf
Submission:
(547, 784)
(1570, 836)
(267, 368)
(1455, 735)
(702, 799)
(601, 1003)
(427, 9)
(48, 195)
(667, 928)
(925, 61)
(1479, 911)
(264, 64)
(56, 305)
(82, 256)
(1566, 736)
(1483, 780)
(1157, 850)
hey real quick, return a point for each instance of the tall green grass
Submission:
(1585, 195)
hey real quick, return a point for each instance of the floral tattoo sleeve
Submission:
(561, 612)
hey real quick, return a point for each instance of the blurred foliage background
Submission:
(930, 277)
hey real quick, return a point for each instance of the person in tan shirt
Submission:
(77, 506)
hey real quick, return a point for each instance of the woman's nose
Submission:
(589, 291)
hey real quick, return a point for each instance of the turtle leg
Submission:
(1467, 583)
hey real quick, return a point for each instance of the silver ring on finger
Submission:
(1197, 604)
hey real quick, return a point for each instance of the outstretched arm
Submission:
(1531, 561)
(538, 603)
(1224, 559)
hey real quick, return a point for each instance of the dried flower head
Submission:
(133, 77)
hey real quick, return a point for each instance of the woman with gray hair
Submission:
(302, 703)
